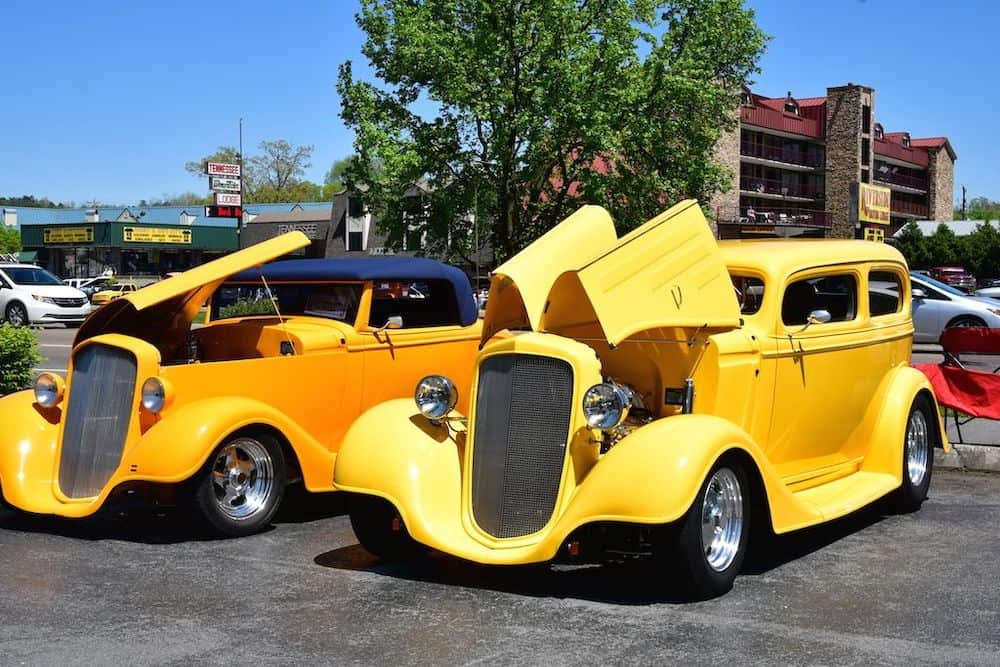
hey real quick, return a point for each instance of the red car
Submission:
(956, 276)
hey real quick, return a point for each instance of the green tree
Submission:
(337, 173)
(10, 240)
(18, 357)
(273, 175)
(526, 109)
(913, 244)
(980, 251)
(30, 200)
(944, 247)
(228, 155)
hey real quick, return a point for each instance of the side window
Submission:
(836, 294)
(422, 303)
(749, 293)
(884, 288)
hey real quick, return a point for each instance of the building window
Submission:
(865, 153)
(791, 106)
(906, 140)
(878, 131)
(866, 176)
(866, 119)
(355, 207)
(745, 99)
(355, 241)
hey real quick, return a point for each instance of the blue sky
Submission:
(108, 99)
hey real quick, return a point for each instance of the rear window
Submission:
(749, 293)
(884, 289)
(334, 301)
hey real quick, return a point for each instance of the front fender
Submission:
(179, 443)
(27, 448)
(888, 433)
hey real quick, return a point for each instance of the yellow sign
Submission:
(156, 235)
(68, 235)
(874, 234)
(874, 203)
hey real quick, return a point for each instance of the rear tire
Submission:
(239, 490)
(919, 441)
(380, 529)
(966, 321)
(711, 540)
(17, 315)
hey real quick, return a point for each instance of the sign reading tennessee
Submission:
(68, 235)
(156, 235)
(874, 203)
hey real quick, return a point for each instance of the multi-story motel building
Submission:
(798, 163)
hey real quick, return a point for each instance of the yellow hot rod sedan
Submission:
(220, 417)
(656, 394)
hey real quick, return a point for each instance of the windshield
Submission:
(31, 276)
(937, 284)
(334, 301)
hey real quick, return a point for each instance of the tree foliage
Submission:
(526, 109)
(10, 240)
(979, 252)
(274, 175)
(18, 357)
(31, 200)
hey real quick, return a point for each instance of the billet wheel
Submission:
(711, 542)
(919, 440)
(239, 490)
(380, 529)
(17, 314)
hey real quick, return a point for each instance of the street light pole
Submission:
(239, 222)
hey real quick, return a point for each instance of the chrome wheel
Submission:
(242, 478)
(17, 315)
(722, 519)
(917, 447)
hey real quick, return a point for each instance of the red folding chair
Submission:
(966, 391)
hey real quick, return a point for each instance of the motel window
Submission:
(906, 140)
(866, 118)
(791, 106)
(865, 152)
(878, 131)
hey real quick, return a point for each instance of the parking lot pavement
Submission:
(871, 589)
(55, 343)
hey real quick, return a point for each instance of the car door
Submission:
(818, 401)
(6, 291)
(928, 313)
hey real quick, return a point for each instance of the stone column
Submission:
(727, 154)
(844, 152)
(941, 186)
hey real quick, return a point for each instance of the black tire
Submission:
(703, 574)
(966, 321)
(919, 440)
(380, 530)
(240, 488)
(16, 314)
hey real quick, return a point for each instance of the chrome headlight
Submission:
(43, 299)
(48, 390)
(435, 396)
(154, 394)
(606, 405)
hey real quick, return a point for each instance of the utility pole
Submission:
(964, 217)
(243, 201)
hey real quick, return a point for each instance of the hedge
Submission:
(18, 357)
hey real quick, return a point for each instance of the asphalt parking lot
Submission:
(142, 589)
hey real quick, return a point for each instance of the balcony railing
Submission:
(783, 188)
(908, 208)
(783, 122)
(781, 154)
(752, 215)
(915, 182)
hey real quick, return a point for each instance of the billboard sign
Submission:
(156, 235)
(224, 184)
(228, 199)
(68, 235)
(223, 212)
(874, 203)
(222, 169)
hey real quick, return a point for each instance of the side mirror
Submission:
(394, 322)
(918, 293)
(819, 317)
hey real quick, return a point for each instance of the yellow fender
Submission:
(178, 445)
(27, 448)
(885, 454)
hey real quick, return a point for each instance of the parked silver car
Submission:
(937, 306)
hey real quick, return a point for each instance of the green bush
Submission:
(246, 307)
(18, 356)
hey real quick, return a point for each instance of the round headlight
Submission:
(48, 390)
(606, 405)
(154, 395)
(435, 396)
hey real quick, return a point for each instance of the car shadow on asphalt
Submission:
(630, 582)
(165, 525)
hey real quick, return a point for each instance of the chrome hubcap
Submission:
(722, 519)
(917, 448)
(16, 316)
(242, 478)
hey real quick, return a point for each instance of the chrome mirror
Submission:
(819, 317)
(394, 322)
(918, 293)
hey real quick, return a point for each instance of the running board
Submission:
(847, 494)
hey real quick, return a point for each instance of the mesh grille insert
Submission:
(523, 411)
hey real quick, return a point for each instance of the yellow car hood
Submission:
(172, 304)
(667, 273)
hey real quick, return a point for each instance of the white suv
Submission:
(32, 295)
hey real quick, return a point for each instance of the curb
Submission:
(982, 458)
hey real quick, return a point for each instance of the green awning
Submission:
(28, 256)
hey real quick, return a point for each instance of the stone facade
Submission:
(727, 155)
(844, 153)
(941, 191)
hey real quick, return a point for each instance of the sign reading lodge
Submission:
(156, 235)
(874, 203)
(68, 235)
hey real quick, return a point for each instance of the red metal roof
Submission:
(896, 150)
(935, 142)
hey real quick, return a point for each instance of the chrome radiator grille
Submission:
(97, 419)
(523, 408)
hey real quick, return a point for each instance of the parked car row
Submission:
(659, 395)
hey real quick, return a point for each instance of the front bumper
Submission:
(41, 312)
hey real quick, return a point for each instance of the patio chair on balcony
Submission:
(967, 393)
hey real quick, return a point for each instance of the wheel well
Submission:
(760, 509)
(959, 318)
(292, 465)
(14, 302)
(932, 401)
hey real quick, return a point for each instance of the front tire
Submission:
(966, 321)
(17, 315)
(380, 529)
(238, 492)
(711, 543)
(919, 440)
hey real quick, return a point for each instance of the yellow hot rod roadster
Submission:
(656, 394)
